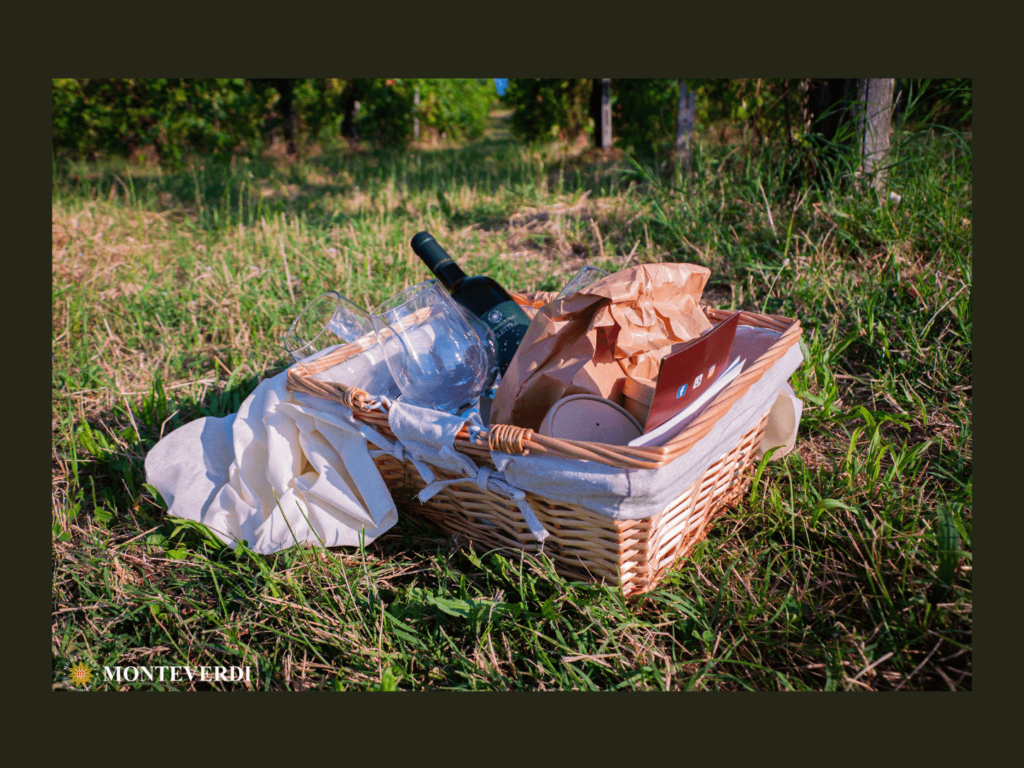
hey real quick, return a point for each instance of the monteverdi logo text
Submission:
(173, 674)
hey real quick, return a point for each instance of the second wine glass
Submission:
(586, 276)
(329, 322)
(433, 351)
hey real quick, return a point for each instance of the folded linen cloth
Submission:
(782, 425)
(286, 469)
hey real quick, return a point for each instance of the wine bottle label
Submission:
(509, 324)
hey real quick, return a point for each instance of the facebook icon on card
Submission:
(681, 392)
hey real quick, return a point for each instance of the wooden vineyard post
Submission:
(684, 127)
(874, 120)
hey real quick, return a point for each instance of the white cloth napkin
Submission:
(286, 469)
(783, 423)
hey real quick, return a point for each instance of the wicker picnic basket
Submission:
(632, 555)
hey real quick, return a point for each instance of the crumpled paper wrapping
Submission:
(588, 343)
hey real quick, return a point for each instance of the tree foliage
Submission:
(221, 117)
(455, 109)
(92, 117)
(547, 108)
(644, 115)
(774, 111)
(644, 110)
(218, 117)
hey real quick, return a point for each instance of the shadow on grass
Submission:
(217, 194)
(109, 449)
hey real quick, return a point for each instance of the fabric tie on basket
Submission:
(287, 469)
(429, 436)
(396, 449)
(634, 494)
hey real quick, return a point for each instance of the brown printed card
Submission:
(687, 371)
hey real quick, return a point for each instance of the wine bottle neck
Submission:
(435, 257)
(449, 273)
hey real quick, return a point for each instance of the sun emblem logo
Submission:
(494, 315)
(79, 676)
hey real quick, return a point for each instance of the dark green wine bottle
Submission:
(481, 295)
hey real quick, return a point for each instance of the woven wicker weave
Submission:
(632, 555)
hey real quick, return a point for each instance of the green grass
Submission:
(847, 567)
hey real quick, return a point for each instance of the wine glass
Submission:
(331, 321)
(433, 349)
(482, 411)
(582, 279)
(327, 321)
(490, 343)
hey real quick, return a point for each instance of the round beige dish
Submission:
(590, 418)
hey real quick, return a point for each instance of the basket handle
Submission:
(506, 438)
